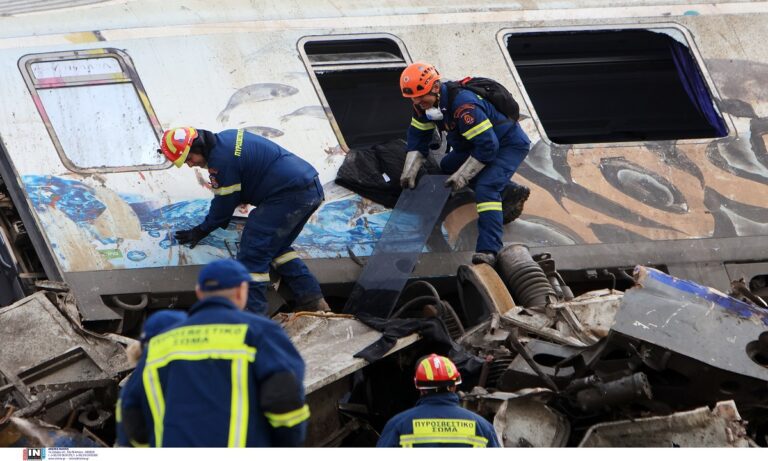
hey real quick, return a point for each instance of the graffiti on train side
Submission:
(661, 190)
(92, 227)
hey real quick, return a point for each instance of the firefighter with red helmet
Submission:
(437, 420)
(486, 148)
(247, 168)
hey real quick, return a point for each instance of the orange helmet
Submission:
(435, 372)
(417, 79)
(176, 143)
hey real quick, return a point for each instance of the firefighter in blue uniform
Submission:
(132, 405)
(486, 150)
(285, 189)
(437, 420)
(224, 377)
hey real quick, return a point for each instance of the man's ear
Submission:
(242, 295)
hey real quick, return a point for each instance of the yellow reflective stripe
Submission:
(448, 367)
(169, 141)
(239, 142)
(119, 411)
(474, 441)
(154, 392)
(471, 133)
(238, 407)
(226, 190)
(427, 369)
(421, 125)
(288, 419)
(259, 276)
(488, 206)
(136, 444)
(285, 257)
(202, 342)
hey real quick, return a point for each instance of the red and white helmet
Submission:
(176, 143)
(435, 372)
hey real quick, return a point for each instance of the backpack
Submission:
(488, 89)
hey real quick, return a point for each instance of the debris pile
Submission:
(666, 363)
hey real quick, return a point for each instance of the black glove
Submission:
(191, 236)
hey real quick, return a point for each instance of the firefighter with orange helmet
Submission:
(437, 420)
(486, 148)
(246, 168)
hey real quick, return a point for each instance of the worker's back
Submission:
(437, 420)
(261, 167)
(205, 380)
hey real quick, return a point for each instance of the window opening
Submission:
(357, 80)
(88, 99)
(614, 85)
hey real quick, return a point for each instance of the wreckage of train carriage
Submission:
(667, 363)
(648, 129)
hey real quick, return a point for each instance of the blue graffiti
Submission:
(73, 198)
(330, 233)
(135, 255)
(727, 303)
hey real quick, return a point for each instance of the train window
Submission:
(592, 86)
(69, 90)
(356, 77)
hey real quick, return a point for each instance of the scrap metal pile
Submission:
(58, 381)
(666, 363)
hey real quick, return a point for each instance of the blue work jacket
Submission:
(225, 378)
(473, 126)
(437, 420)
(245, 168)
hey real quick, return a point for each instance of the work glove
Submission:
(413, 162)
(191, 236)
(464, 174)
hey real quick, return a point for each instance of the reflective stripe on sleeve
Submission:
(471, 133)
(421, 125)
(289, 419)
(259, 276)
(226, 190)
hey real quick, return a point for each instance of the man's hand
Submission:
(191, 236)
(464, 174)
(413, 162)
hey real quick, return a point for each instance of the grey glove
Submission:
(413, 162)
(464, 174)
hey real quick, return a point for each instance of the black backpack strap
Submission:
(453, 89)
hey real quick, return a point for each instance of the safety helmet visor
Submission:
(176, 143)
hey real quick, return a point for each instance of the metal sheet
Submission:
(327, 345)
(702, 427)
(693, 320)
(399, 248)
(41, 349)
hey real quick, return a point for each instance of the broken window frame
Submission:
(341, 66)
(127, 74)
(503, 36)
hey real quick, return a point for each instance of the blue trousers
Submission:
(488, 186)
(267, 237)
